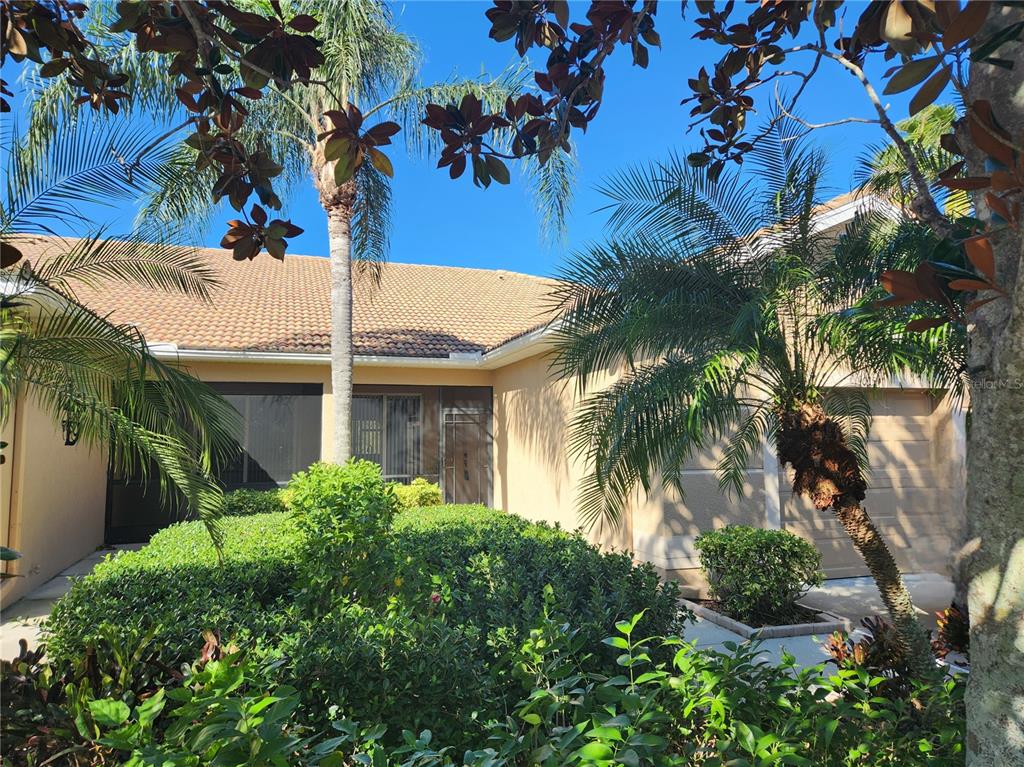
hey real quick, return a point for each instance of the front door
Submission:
(467, 456)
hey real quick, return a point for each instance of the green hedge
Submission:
(494, 568)
(177, 584)
(245, 502)
(453, 593)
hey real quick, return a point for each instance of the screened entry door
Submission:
(467, 464)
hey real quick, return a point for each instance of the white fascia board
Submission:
(845, 213)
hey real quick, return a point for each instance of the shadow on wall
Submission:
(532, 416)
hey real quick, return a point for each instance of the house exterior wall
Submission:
(534, 474)
(53, 499)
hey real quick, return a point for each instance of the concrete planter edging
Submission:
(824, 627)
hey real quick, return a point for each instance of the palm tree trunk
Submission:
(337, 202)
(828, 472)
(886, 574)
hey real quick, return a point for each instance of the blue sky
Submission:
(439, 221)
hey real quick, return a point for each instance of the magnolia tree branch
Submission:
(925, 205)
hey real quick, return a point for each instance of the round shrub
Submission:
(177, 585)
(245, 502)
(418, 493)
(344, 513)
(758, 574)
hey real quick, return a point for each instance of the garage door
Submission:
(912, 490)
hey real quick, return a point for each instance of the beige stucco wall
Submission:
(53, 499)
(534, 475)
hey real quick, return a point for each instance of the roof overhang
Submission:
(517, 349)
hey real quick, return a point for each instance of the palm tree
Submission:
(369, 64)
(713, 297)
(95, 375)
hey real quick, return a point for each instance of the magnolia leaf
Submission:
(979, 253)
(966, 24)
(381, 162)
(969, 285)
(497, 169)
(929, 91)
(910, 74)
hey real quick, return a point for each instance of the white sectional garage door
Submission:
(912, 493)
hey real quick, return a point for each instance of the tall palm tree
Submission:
(714, 297)
(369, 64)
(96, 376)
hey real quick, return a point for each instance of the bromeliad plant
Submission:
(710, 298)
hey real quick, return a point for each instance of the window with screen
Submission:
(280, 433)
(388, 429)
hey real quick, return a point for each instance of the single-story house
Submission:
(452, 383)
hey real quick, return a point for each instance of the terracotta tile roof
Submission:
(269, 305)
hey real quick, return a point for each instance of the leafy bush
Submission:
(492, 569)
(245, 502)
(344, 513)
(402, 667)
(418, 493)
(176, 586)
(757, 574)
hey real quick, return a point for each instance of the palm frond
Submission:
(756, 425)
(371, 220)
(141, 258)
(87, 160)
(76, 363)
(851, 409)
(648, 423)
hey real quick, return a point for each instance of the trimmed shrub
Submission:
(344, 513)
(401, 667)
(176, 584)
(492, 569)
(418, 493)
(757, 574)
(245, 502)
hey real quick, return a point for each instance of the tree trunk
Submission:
(827, 472)
(995, 477)
(338, 202)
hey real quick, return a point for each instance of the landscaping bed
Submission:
(345, 631)
(803, 621)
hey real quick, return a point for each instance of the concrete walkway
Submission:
(22, 619)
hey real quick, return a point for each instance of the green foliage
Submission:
(758, 574)
(212, 719)
(402, 666)
(245, 502)
(177, 586)
(344, 514)
(493, 569)
(418, 493)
